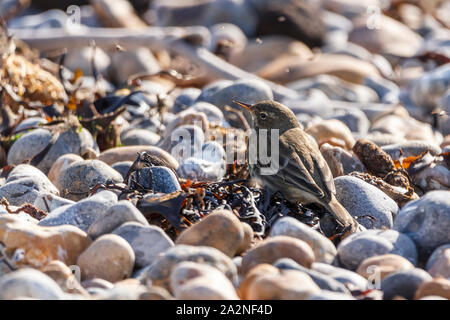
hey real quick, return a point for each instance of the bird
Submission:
(303, 174)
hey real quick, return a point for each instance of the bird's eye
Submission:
(263, 115)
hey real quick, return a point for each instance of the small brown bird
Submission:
(303, 174)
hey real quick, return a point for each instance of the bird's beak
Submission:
(244, 105)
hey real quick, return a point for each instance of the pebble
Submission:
(83, 213)
(362, 199)
(324, 281)
(109, 257)
(213, 114)
(197, 281)
(383, 265)
(40, 245)
(59, 165)
(350, 279)
(355, 119)
(64, 277)
(160, 271)
(116, 215)
(220, 229)
(48, 202)
(332, 131)
(72, 140)
(157, 179)
(285, 285)
(129, 153)
(29, 283)
(439, 287)
(183, 142)
(274, 248)
(139, 236)
(122, 167)
(426, 221)
(186, 98)
(340, 161)
(411, 148)
(438, 265)
(324, 249)
(136, 136)
(29, 124)
(79, 177)
(24, 184)
(128, 289)
(354, 249)
(403, 283)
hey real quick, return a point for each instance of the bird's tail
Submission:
(343, 218)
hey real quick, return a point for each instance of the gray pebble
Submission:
(157, 179)
(346, 277)
(403, 283)
(185, 99)
(83, 213)
(29, 283)
(359, 246)
(122, 167)
(361, 198)
(116, 215)
(426, 221)
(80, 176)
(435, 255)
(148, 242)
(139, 137)
(411, 148)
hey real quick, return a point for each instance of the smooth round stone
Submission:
(346, 277)
(286, 285)
(64, 277)
(109, 257)
(340, 161)
(128, 289)
(186, 98)
(184, 142)
(60, 164)
(426, 221)
(29, 123)
(28, 145)
(97, 283)
(354, 119)
(220, 229)
(158, 179)
(156, 293)
(83, 213)
(214, 114)
(196, 281)
(324, 249)
(430, 87)
(159, 272)
(330, 295)
(272, 249)
(362, 199)
(383, 266)
(207, 13)
(438, 265)
(327, 130)
(259, 270)
(247, 242)
(72, 140)
(227, 33)
(82, 58)
(439, 287)
(403, 283)
(201, 170)
(246, 90)
(210, 89)
(140, 236)
(129, 153)
(41, 245)
(323, 281)
(29, 283)
(24, 184)
(411, 148)
(359, 246)
(116, 215)
(80, 176)
(122, 167)
(137, 136)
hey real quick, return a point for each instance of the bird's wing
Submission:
(304, 165)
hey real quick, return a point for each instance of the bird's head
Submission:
(271, 115)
